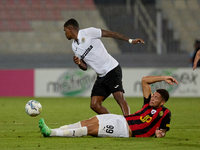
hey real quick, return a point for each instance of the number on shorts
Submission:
(109, 129)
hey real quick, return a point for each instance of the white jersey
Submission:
(90, 49)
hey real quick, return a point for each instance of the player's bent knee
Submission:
(94, 106)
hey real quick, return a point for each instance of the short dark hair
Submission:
(164, 93)
(71, 22)
(197, 41)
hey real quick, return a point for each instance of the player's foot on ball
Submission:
(45, 130)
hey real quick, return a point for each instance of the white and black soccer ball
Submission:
(33, 108)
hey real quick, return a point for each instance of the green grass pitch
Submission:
(20, 131)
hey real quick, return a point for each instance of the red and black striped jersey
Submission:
(144, 122)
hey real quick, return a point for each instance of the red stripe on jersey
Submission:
(146, 105)
(137, 117)
(153, 129)
(145, 124)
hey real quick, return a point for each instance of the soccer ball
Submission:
(33, 108)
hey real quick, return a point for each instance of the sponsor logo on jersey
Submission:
(147, 118)
(86, 52)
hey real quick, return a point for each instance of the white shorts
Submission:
(111, 125)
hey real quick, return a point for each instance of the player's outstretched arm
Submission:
(146, 81)
(119, 36)
(196, 59)
(82, 65)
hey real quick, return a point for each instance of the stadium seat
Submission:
(16, 14)
(74, 4)
(89, 4)
(37, 4)
(30, 14)
(12, 25)
(62, 4)
(42, 15)
(49, 4)
(2, 25)
(5, 14)
(55, 14)
(2, 5)
(24, 4)
(24, 26)
(11, 4)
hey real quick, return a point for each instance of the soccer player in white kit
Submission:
(90, 51)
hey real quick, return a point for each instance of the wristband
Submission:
(130, 41)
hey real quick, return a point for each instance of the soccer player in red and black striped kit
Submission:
(152, 120)
(153, 117)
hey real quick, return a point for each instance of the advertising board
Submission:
(75, 82)
(14, 83)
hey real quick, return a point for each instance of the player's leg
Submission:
(71, 126)
(119, 97)
(47, 132)
(92, 125)
(78, 124)
(88, 127)
(98, 95)
(78, 132)
(114, 82)
(96, 105)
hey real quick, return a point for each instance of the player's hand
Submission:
(194, 66)
(170, 80)
(77, 60)
(136, 41)
(196, 59)
(159, 133)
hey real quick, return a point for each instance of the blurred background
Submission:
(32, 36)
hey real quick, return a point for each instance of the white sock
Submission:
(56, 132)
(69, 132)
(71, 126)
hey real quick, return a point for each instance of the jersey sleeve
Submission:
(94, 32)
(165, 124)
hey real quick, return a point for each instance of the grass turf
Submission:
(20, 131)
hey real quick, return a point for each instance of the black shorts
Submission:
(110, 83)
